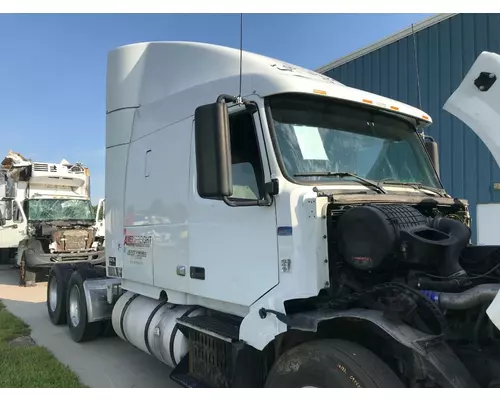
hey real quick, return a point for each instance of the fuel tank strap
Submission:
(127, 304)
(148, 323)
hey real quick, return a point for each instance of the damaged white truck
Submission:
(51, 219)
(276, 228)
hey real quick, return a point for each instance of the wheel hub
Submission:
(53, 294)
(74, 306)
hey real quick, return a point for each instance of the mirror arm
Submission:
(226, 98)
(231, 99)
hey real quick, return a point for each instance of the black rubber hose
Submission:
(452, 285)
(476, 296)
(451, 266)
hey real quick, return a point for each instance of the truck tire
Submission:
(76, 310)
(57, 288)
(331, 363)
(26, 278)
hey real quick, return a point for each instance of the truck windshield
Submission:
(320, 136)
(59, 210)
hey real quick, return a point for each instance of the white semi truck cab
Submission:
(277, 228)
(53, 215)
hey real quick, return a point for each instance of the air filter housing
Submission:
(373, 236)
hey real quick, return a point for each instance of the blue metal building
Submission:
(446, 47)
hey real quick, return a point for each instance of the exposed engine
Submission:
(417, 264)
(62, 238)
(72, 239)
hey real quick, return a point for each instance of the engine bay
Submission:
(415, 263)
(63, 237)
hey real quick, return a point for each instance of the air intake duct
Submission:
(374, 236)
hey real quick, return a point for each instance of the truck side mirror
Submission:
(432, 149)
(213, 151)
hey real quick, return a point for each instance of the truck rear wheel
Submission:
(56, 293)
(331, 363)
(76, 310)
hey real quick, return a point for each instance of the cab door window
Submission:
(247, 171)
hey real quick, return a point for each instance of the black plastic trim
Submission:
(485, 81)
(197, 273)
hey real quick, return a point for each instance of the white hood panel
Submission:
(480, 108)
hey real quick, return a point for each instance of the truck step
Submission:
(181, 376)
(221, 326)
(187, 381)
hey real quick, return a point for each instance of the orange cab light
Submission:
(317, 91)
(395, 108)
(367, 101)
(425, 117)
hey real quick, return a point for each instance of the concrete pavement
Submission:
(103, 363)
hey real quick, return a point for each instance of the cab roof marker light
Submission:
(318, 91)
(367, 101)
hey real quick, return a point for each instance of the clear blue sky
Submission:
(53, 67)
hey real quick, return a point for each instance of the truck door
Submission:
(13, 223)
(233, 255)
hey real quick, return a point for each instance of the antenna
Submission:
(416, 66)
(241, 57)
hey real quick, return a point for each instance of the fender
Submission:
(440, 361)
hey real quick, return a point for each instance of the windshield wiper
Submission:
(372, 185)
(414, 185)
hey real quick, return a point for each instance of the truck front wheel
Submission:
(76, 310)
(331, 363)
(26, 278)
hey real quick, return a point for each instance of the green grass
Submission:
(29, 367)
